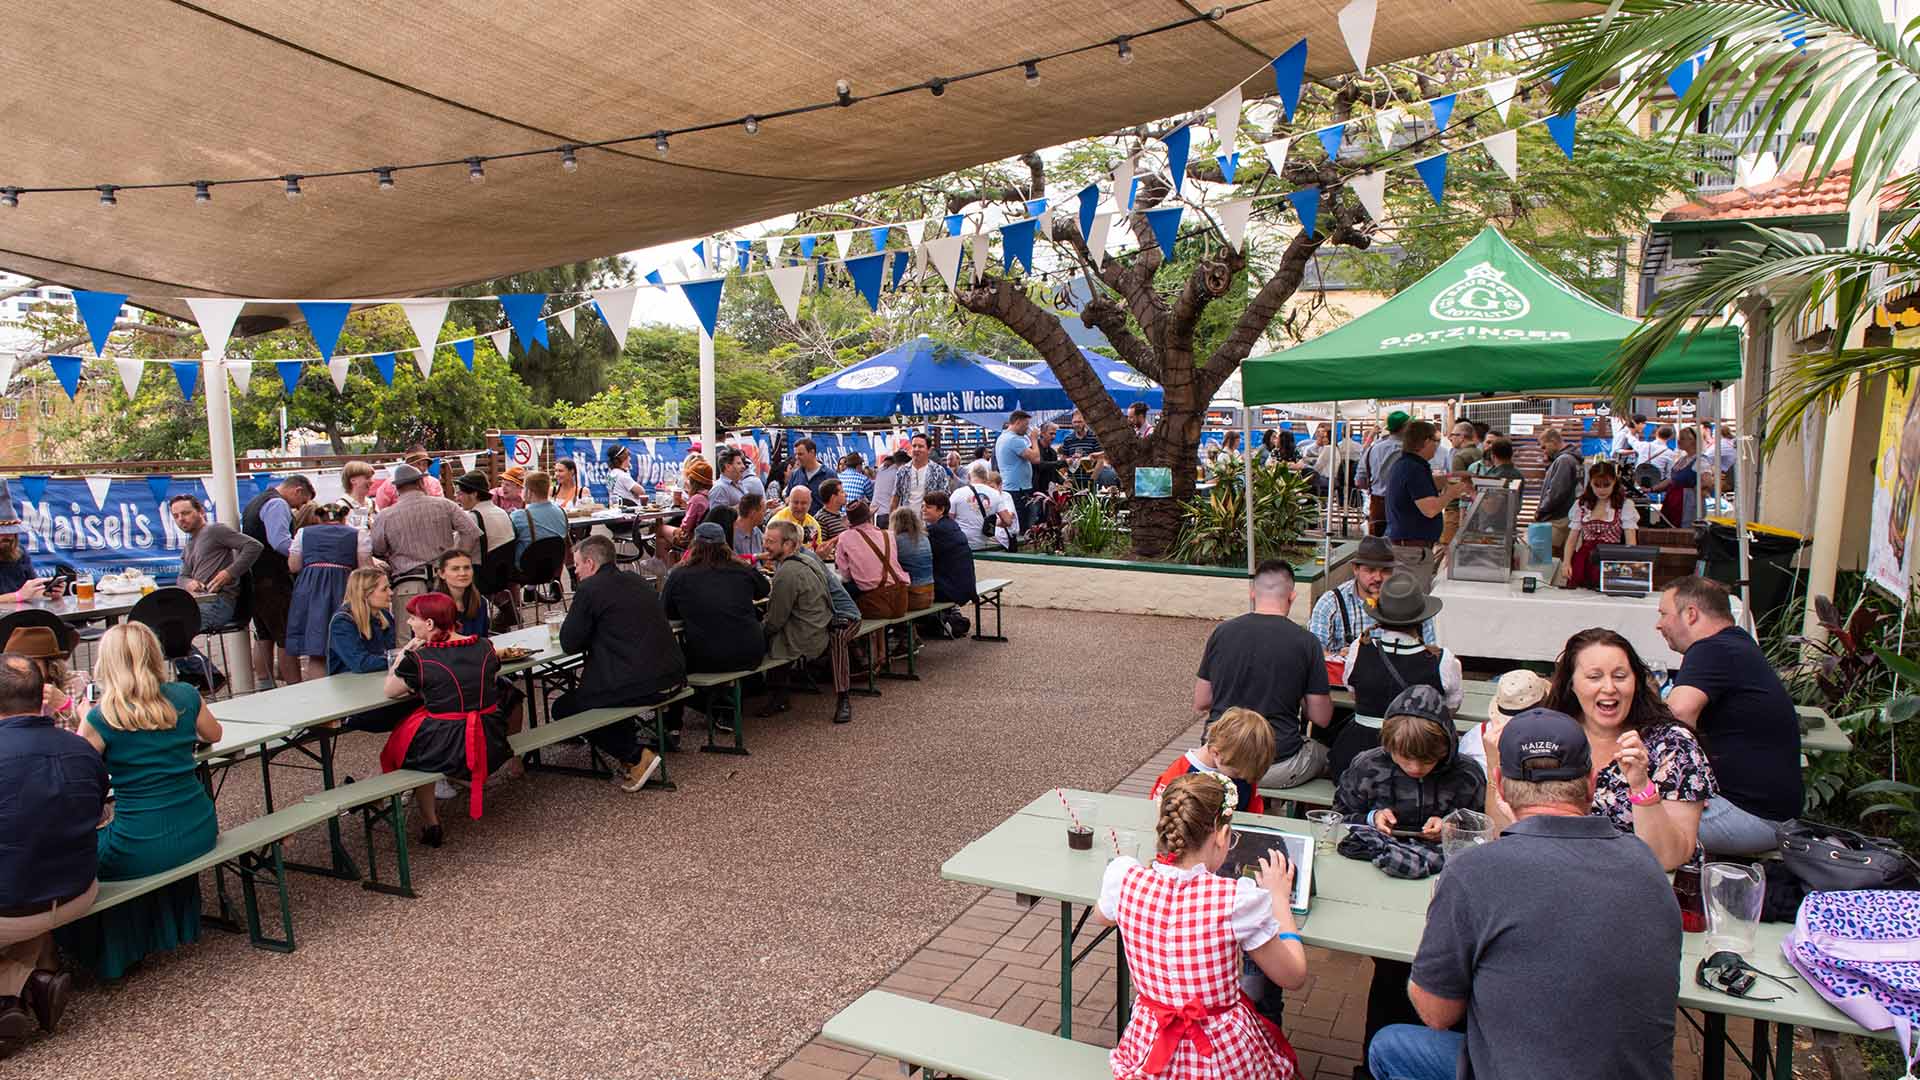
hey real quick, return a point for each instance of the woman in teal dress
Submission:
(145, 728)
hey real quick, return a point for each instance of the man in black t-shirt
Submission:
(1732, 698)
(1266, 662)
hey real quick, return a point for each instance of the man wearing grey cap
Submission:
(417, 529)
(1559, 943)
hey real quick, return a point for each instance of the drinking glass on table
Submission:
(393, 658)
(1326, 829)
(83, 587)
(554, 622)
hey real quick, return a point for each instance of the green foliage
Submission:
(566, 369)
(1091, 527)
(1214, 526)
(662, 362)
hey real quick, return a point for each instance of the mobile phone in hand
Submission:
(1409, 834)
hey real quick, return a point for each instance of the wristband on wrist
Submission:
(1288, 936)
(1646, 796)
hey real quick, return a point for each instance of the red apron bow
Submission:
(1189, 1021)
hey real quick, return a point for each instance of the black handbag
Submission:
(1830, 858)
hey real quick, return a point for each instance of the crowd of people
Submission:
(1610, 780)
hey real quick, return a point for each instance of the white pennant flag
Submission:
(649, 443)
(130, 372)
(566, 320)
(943, 254)
(423, 359)
(774, 244)
(920, 268)
(1501, 91)
(787, 282)
(6, 371)
(1226, 120)
(843, 242)
(1371, 189)
(1043, 227)
(1387, 121)
(337, 367)
(500, 339)
(1233, 220)
(425, 316)
(1504, 148)
(1356, 25)
(1097, 243)
(616, 306)
(1123, 184)
(216, 317)
(981, 242)
(596, 443)
(1276, 152)
(467, 462)
(99, 485)
(242, 372)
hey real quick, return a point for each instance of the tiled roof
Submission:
(1786, 196)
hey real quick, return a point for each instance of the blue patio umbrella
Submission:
(1125, 384)
(924, 377)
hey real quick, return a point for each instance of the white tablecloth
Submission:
(1485, 618)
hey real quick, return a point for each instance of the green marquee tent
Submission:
(1488, 320)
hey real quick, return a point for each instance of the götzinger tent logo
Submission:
(1483, 296)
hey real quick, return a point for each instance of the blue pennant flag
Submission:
(324, 320)
(1289, 72)
(865, 272)
(98, 310)
(1228, 164)
(1330, 139)
(1680, 79)
(743, 253)
(1306, 204)
(1794, 29)
(507, 443)
(899, 267)
(1556, 73)
(700, 252)
(187, 374)
(465, 349)
(262, 481)
(953, 223)
(33, 487)
(879, 234)
(1561, 128)
(161, 484)
(290, 371)
(1089, 202)
(705, 298)
(1133, 192)
(1036, 207)
(654, 278)
(1178, 142)
(820, 274)
(1016, 245)
(1433, 173)
(67, 370)
(1442, 111)
(523, 311)
(1166, 226)
(807, 244)
(433, 468)
(383, 363)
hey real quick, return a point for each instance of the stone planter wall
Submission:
(1134, 588)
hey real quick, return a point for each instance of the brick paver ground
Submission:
(1002, 960)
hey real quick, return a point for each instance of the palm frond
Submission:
(1818, 379)
(1833, 67)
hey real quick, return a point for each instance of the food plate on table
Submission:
(513, 653)
(129, 582)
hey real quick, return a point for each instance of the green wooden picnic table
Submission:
(1355, 909)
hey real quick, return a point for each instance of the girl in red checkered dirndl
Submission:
(1185, 929)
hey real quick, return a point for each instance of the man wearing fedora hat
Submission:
(387, 492)
(1345, 613)
(1389, 658)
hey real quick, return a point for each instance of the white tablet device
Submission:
(1250, 842)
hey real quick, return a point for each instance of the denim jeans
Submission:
(215, 610)
(1725, 829)
(1415, 1052)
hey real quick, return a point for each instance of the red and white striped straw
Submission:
(1071, 816)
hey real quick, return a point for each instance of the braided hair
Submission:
(1191, 810)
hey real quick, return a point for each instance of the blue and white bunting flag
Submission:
(98, 310)
(1289, 73)
(325, 318)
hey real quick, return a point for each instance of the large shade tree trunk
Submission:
(1155, 334)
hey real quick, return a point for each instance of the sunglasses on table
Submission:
(1729, 974)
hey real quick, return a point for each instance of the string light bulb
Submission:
(844, 91)
(10, 197)
(293, 187)
(1123, 50)
(202, 193)
(568, 161)
(476, 171)
(1033, 72)
(937, 87)
(384, 176)
(1216, 13)
(752, 124)
(660, 143)
(107, 197)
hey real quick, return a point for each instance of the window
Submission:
(46, 405)
(9, 410)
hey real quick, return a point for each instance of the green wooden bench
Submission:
(1311, 793)
(708, 680)
(881, 663)
(987, 593)
(528, 742)
(954, 1043)
(252, 852)
(378, 800)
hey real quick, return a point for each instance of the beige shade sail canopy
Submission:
(151, 91)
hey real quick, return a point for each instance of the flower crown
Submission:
(1232, 795)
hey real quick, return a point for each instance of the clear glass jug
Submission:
(1733, 893)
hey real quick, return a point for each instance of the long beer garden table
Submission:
(104, 607)
(1355, 909)
(289, 717)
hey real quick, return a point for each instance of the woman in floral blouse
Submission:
(1652, 778)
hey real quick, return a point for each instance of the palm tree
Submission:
(1835, 69)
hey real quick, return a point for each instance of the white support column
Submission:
(223, 485)
(709, 420)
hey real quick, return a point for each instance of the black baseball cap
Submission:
(1544, 744)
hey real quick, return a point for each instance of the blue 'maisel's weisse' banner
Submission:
(129, 526)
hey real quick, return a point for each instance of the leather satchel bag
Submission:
(1830, 859)
(888, 599)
